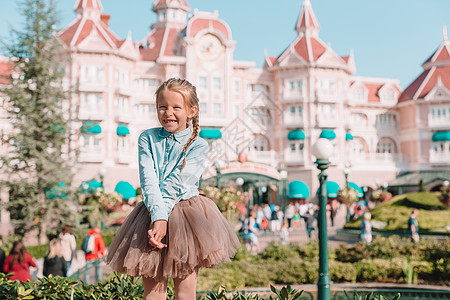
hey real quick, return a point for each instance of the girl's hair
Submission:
(54, 248)
(67, 229)
(189, 94)
(18, 250)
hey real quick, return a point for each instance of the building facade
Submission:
(256, 119)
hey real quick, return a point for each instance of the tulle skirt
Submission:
(198, 235)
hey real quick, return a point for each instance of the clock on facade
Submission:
(209, 47)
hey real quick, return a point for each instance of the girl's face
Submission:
(173, 113)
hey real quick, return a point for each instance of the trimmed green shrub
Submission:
(379, 269)
(342, 272)
(423, 200)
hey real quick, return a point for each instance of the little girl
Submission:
(174, 231)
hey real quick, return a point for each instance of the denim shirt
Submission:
(160, 161)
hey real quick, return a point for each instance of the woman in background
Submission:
(54, 262)
(18, 262)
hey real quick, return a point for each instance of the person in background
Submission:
(413, 226)
(99, 252)
(309, 220)
(18, 262)
(2, 255)
(284, 233)
(366, 228)
(54, 262)
(290, 213)
(250, 231)
(68, 247)
(275, 222)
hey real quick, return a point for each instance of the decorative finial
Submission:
(444, 30)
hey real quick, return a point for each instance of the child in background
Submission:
(174, 231)
(284, 233)
(366, 228)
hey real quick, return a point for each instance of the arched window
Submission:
(386, 146)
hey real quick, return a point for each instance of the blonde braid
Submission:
(195, 131)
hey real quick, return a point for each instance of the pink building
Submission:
(266, 117)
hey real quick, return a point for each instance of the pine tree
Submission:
(36, 165)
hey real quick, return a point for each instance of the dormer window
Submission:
(388, 96)
(358, 94)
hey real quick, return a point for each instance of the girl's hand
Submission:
(157, 233)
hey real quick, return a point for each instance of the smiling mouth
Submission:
(170, 121)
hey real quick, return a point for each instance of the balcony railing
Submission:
(91, 155)
(293, 121)
(294, 157)
(439, 122)
(440, 157)
(91, 114)
(266, 157)
(123, 157)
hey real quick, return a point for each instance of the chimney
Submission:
(105, 19)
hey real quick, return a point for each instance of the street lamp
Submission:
(347, 166)
(322, 150)
(218, 165)
(102, 173)
(284, 176)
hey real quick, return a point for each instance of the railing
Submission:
(439, 157)
(406, 294)
(84, 273)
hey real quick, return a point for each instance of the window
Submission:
(92, 74)
(327, 109)
(359, 94)
(296, 86)
(145, 110)
(217, 83)
(91, 142)
(91, 102)
(385, 146)
(203, 82)
(260, 144)
(217, 109)
(358, 147)
(296, 111)
(203, 108)
(261, 114)
(121, 77)
(236, 111)
(237, 86)
(296, 146)
(386, 121)
(387, 95)
(122, 104)
(122, 144)
(258, 88)
(145, 84)
(326, 85)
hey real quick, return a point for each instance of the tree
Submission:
(36, 167)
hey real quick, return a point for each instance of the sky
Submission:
(389, 38)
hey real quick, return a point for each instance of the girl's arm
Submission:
(151, 193)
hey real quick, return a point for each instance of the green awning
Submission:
(91, 127)
(122, 130)
(58, 191)
(92, 186)
(125, 189)
(357, 188)
(441, 136)
(296, 135)
(60, 128)
(348, 136)
(332, 189)
(298, 190)
(210, 133)
(328, 134)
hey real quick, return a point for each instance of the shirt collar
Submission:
(180, 137)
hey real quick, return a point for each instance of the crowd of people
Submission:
(62, 251)
(263, 219)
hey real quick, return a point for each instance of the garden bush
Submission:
(379, 270)
(342, 271)
(423, 200)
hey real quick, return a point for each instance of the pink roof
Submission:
(170, 42)
(89, 3)
(411, 90)
(302, 49)
(200, 24)
(442, 53)
(373, 91)
(5, 71)
(151, 54)
(345, 58)
(82, 28)
(426, 82)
